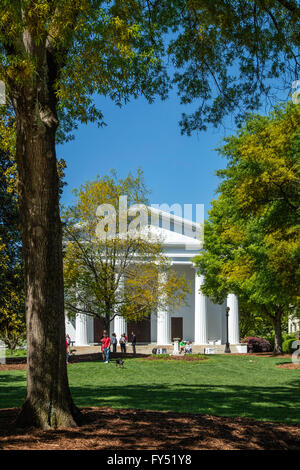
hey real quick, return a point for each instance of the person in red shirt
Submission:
(106, 346)
(102, 349)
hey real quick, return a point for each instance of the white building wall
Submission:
(214, 319)
(70, 328)
(293, 325)
(90, 329)
(176, 240)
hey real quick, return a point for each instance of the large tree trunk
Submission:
(106, 322)
(278, 333)
(48, 402)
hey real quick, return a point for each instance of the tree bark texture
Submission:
(48, 402)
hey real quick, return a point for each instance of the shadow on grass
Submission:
(275, 403)
(258, 402)
(12, 390)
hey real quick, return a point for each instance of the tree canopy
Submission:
(118, 273)
(91, 46)
(232, 57)
(226, 57)
(252, 239)
(12, 295)
(55, 55)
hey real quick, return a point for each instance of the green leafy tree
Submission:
(116, 274)
(12, 306)
(253, 322)
(54, 56)
(252, 241)
(231, 57)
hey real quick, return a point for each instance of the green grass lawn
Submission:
(17, 353)
(222, 385)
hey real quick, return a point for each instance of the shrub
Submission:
(287, 345)
(256, 344)
(287, 336)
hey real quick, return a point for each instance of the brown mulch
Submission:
(269, 354)
(107, 429)
(13, 367)
(177, 358)
(289, 365)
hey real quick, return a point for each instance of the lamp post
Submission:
(227, 347)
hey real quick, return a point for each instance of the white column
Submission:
(233, 319)
(81, 336)
(201, 335)
(163, 320)
(70, 327)
(120, 325)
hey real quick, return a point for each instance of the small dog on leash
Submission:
(120, 363)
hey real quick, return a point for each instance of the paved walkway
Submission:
(147, 349)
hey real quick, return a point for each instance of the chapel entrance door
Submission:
(176, 327)
(142, 330)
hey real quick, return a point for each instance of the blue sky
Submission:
(177, 169)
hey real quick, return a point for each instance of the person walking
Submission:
(133, 342)
(106, 346)
(114, 342)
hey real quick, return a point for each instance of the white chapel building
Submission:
(199, 320)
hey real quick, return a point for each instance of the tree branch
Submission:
(292, 7)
